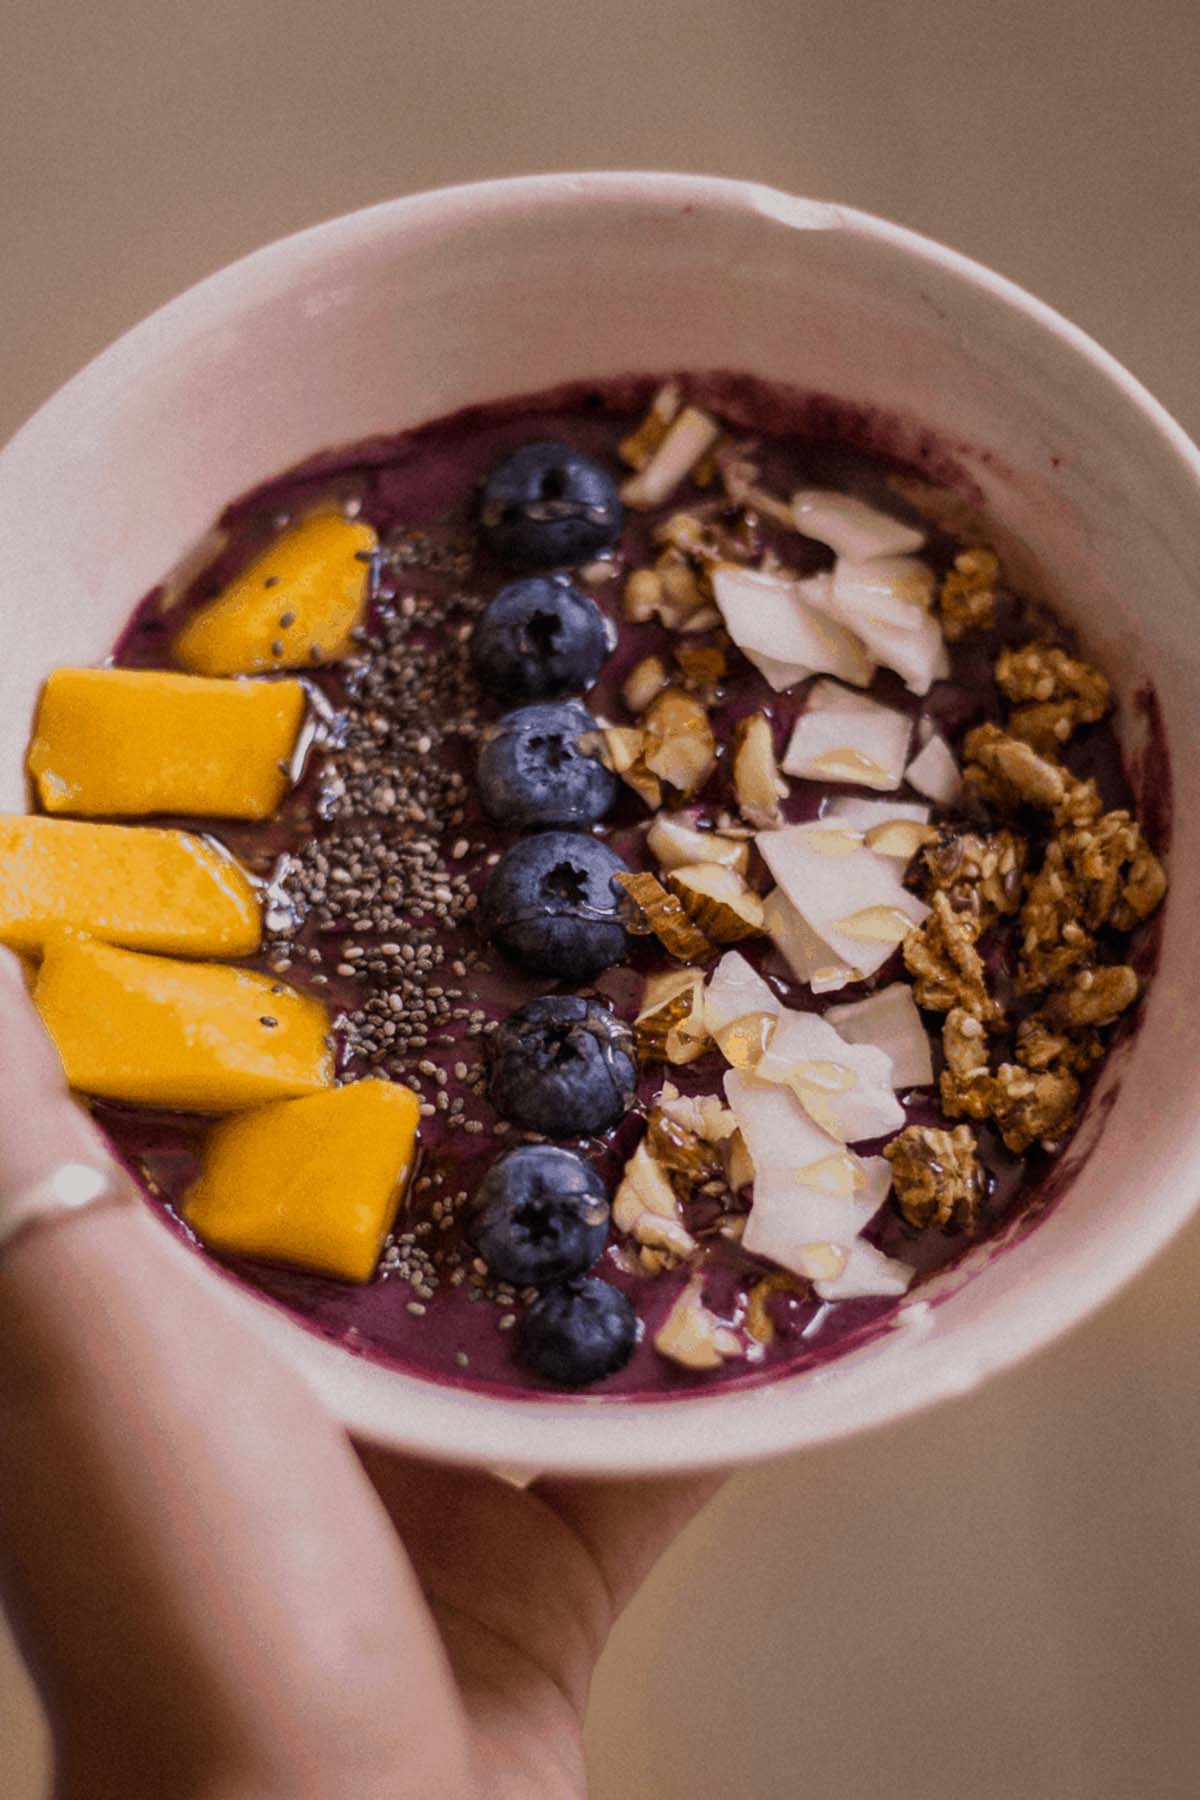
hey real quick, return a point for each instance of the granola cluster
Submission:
(967, 597)
(1096, 875)
(936, 1176)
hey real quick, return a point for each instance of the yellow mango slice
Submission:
(197, 1037)
(311, 1182)
(293, 607)
(134, 885)
(125, 742)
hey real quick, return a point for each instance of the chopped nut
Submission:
(680, 746)
(757, 783)
(1005, 773)
(643, 595)
(644, 681)
(946, 967)
(689, 436)
(702, 667)
(759, 1322)
(663, 914)
(674, 841)
(693, 1336)
(1058, 693)
(622, 749)
(670, 1026)
(936, 1176)
(980, 873)
(682, 1152)
(719, 901)
(637, 449)
(967, 600)
(646, 1206)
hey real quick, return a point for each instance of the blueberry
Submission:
(552, 905)
(563, 1066)
(531, 770)
(547, 505)
(538, 1215)
(578, 1332)
(539, 638)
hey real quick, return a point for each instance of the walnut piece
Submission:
(1043, 1043)
(946, 967)
(936, 1176)
(1053, 941)
(967, 599)
(1121, 881)
(980, 872)
(1056, 694)
(1005, 773)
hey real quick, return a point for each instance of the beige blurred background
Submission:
(1000, 1601)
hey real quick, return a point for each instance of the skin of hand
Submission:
(219, 1595)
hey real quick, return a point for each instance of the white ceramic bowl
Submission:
(412, 309)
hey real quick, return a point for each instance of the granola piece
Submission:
(1005, 773)
(1056, 694)
(966, 1083)
(967, 598)
(1080, 805)
(1032, 1107)
(946, 967)
(1095, 996)
(653, 909)
(980, 872)
(1121, 880)
(758, 1320)
(1053, 941)
(936, 1176)
(1043, 1043)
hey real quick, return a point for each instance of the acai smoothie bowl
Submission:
(590, 808)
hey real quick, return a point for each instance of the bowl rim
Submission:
(614, 1436)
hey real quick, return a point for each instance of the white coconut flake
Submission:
(933, 771)
(845, 1088)
(885, 603)
(850, 527)
(776, 1130)
(831, 696)
(808, 957)
(779, 675)
(889, 1020)
(736, 991)
(851, 899)
(855, 814)
(774, 615)
(868, 1273)
(690, 436)
(866, 745)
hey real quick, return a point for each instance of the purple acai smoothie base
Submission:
(418, 491)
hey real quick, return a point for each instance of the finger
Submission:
(626, 1525)
(203, 1579)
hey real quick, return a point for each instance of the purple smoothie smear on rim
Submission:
(380, 853)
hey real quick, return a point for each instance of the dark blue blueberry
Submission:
(546, 506)
(531, 770)
(578, 1332)
(552, 905)
(539, 638)
(539, 1214)
(562, 1065)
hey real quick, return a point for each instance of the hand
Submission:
(220, 1597)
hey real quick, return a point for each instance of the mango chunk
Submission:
(197, 1037)
(134, 885)
(125, 742)
(310, 1182)
(293, 607)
